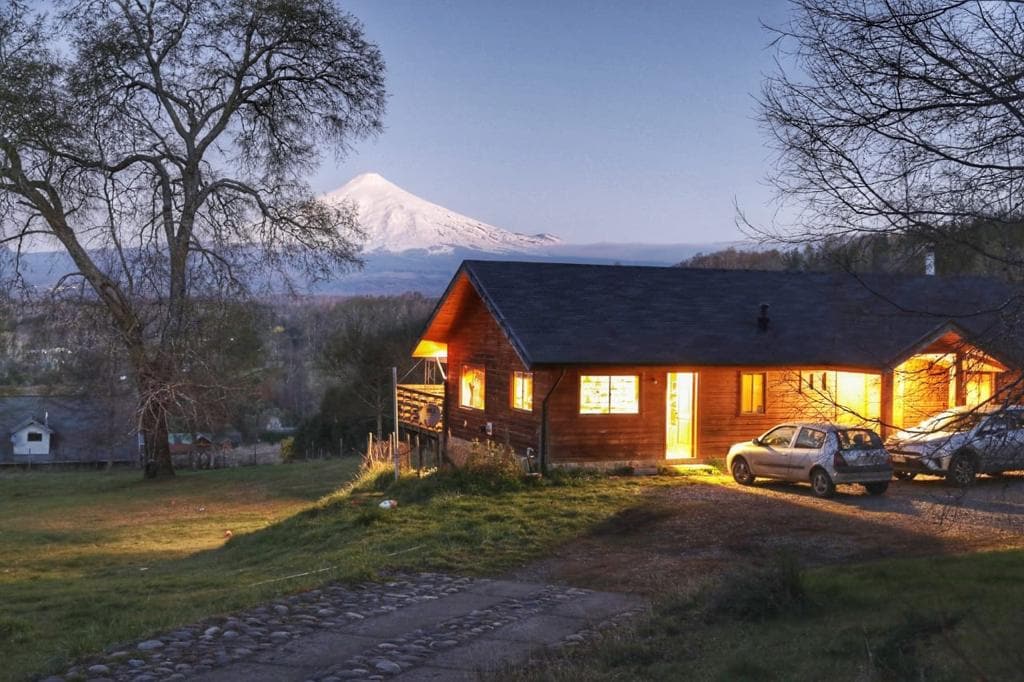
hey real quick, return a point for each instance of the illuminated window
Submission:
(978, 388)
(813, 382)
(806, 382)
(857, 396)
(522, 391)
(471, 387)
(751, 393)
(609, 394)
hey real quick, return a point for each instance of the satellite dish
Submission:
(430, 415)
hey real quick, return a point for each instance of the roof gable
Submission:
(456, 298)
(31, 423)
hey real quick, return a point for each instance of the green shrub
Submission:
(493, 460)
(758, 594)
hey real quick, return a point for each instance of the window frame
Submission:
(38, 437)
(799, 434)
(610, 411)
(514, 394)
(469, 366)
(764, 394)
(780, 427)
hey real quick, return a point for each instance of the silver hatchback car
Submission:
(822, 454)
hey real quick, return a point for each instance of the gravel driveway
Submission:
(677, 536)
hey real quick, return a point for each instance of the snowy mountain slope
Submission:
(396, 220)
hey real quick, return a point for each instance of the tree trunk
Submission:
(157, 449)
(153, 410)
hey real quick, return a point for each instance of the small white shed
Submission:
(31, 437)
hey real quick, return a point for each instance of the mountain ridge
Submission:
(396, 220)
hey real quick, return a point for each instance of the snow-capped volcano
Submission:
(396, 220)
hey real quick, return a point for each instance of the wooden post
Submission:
(960, 387)
(888, 388)
(394, 434)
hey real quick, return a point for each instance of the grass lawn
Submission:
(90, 558)
(950, 618)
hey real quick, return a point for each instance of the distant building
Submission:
(31, 438)
(67, 430)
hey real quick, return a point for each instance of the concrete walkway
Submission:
(422, 627)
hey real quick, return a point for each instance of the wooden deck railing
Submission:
(421, 406)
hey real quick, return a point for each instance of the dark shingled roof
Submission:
(558, 314)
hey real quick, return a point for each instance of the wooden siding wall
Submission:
(1010, 387)
(623, 437)
(592, 438)
(480, 341)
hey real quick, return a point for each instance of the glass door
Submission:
(681, 415)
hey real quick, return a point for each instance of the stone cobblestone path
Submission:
(426, 626)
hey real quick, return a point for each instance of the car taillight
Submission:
(838, 461)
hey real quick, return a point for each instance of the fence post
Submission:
(394, 434)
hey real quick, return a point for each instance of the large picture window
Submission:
(471, 387)
(603, 394)
(522, 391)
(751, 393)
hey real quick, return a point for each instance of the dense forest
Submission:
(990, 250)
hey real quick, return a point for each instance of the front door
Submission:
(681, 415)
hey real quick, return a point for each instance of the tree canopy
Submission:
(165, 146)
(899, 116)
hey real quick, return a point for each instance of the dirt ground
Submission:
(679, 536)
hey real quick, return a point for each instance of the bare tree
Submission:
(900, 116)
(163, 145)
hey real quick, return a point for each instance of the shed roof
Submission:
(558, 314)
(31, 422)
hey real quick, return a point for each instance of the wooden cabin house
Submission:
(612, 365)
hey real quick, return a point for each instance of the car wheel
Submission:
(962, 471)
(741, 472)
(876, 488)
(821, 483)
(905, 475)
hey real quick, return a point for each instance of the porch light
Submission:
(430, 349)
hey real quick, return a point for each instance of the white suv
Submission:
(961, 443)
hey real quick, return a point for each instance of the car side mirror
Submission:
(757, 441)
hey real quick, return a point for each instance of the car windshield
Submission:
(858, 439)
(949, 422)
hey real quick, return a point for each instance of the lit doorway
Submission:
(681, 415)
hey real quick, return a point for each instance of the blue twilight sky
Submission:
(595, 121)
